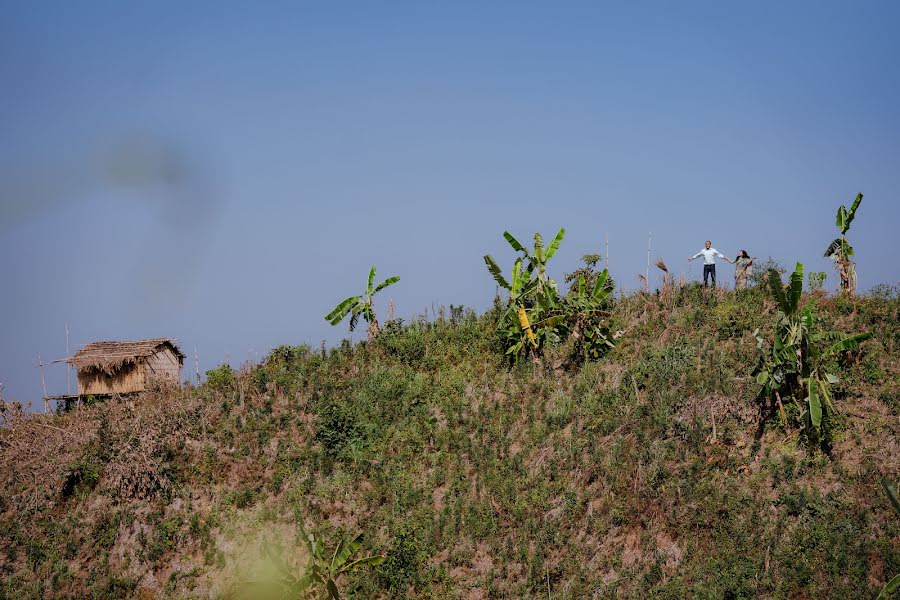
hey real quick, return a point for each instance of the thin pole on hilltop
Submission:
(647, 281)
(606, 255)
(197, 365)
(43, 382)
(68, 366)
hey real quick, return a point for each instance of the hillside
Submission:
(646, 473)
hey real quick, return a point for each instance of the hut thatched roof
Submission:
(113, 356)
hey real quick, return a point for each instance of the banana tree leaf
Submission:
(495, 271)
(796, 288)
(516, 278)
(778, 291)
(554, 245)
(890, 589)
(340, 311)
(851, 213)
(825, 393)
(516, 245)
(344, 551)
(354, 320)
(368, 560)
(371, 279)
(600, 285)
(581, 285)
(841, 219)
(848, 343)
(333, 592)
(539, 248)
(385, 283)
(833, 247)
(815, 405)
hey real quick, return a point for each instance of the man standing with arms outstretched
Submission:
(709, 261)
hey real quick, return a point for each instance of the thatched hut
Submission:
(106, 368)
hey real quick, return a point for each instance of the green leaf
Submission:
(371, 279)
(848, 343)
(554, 245)
(518, 247)
(495, 271)
(600, 286)
(333, 592)
(796, 288)
(539, 248)
(890, 589)
(831, 378)
(340, 311)
(815, 406)
(369, 560)
(516, 277)
(385, 283)
(344, 551)
(778, 291)
(891, 492)
(762, 378)
(851, 214)
(841, 219)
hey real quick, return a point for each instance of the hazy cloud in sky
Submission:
(224, 174)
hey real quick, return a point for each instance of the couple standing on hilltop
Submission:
(742, 263)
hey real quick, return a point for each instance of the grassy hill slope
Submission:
(646, 473)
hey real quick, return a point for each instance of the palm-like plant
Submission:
(798, 360)
(319, 579)
(361, 305)
(532, 293)
(841, 251)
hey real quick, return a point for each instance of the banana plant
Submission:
(841, 251)
(319, 578)
(585, 311)
(361, 305)
(796, 366)
(516, 321)
(546, 290)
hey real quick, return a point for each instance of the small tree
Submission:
(361, 305)
(841, 251)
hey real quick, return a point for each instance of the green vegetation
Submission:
(841, 251)
(799, 364)
(640, 468)
(643, 474)
(893, 586)
(319, 577)
(536, 316)
(361, 305)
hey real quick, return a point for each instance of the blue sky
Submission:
(224, 173)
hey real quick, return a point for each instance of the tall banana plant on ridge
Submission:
(841, 251)
(361, 305)
(532, 293)
(798, 364)
(515, 323)
(546, 290)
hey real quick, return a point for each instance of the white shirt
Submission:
(709, 256)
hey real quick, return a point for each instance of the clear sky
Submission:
(225, 172)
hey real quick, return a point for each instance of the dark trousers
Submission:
(707, 271)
